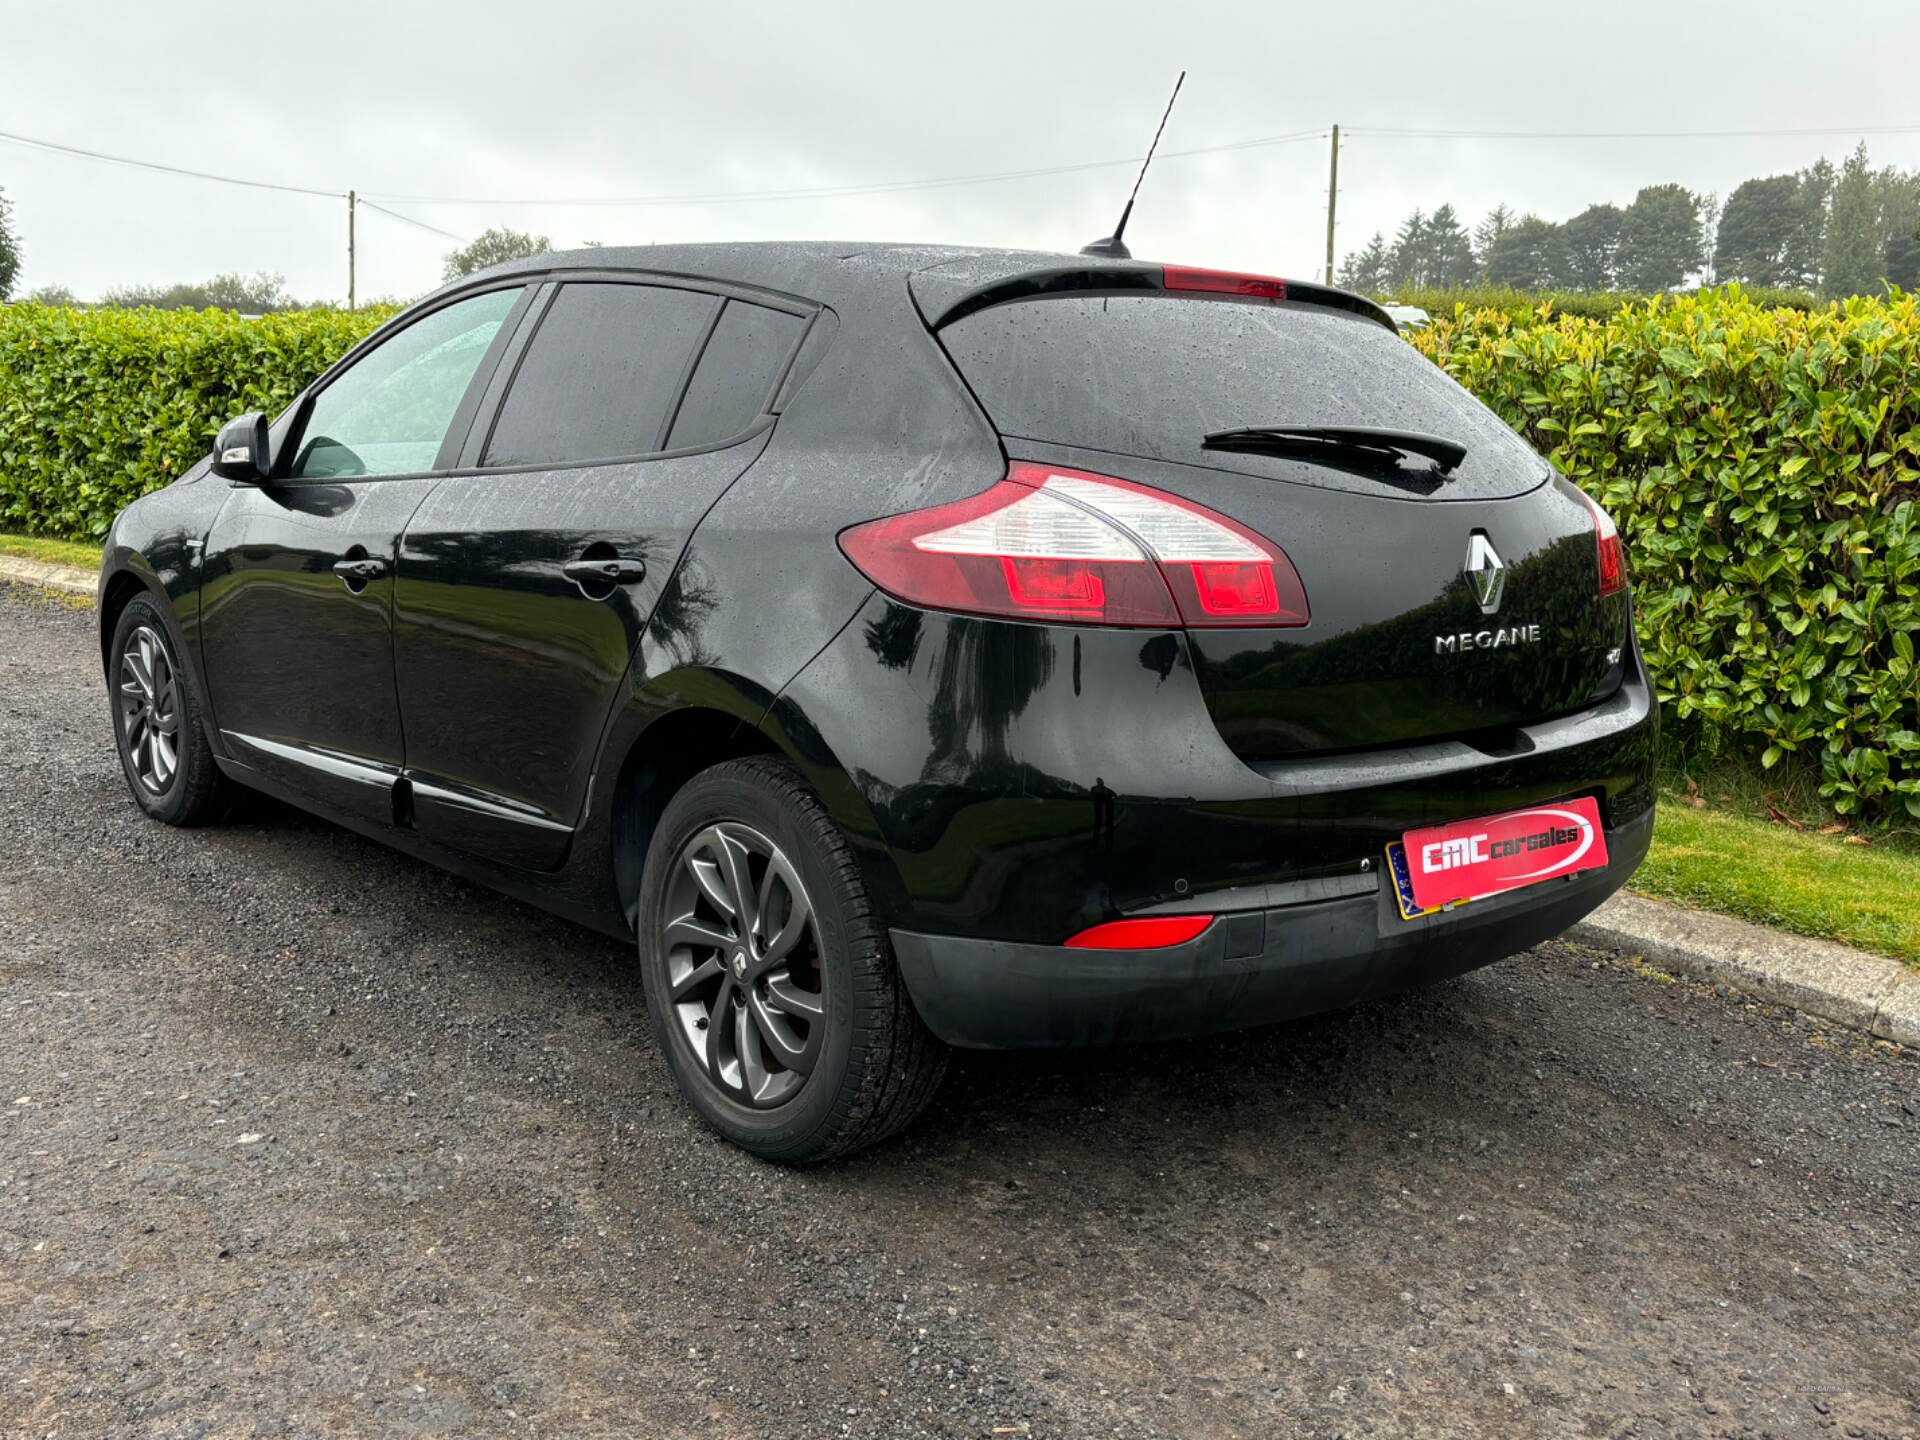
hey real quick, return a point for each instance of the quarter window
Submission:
(388, 413)
(738, 370)
(599, 379)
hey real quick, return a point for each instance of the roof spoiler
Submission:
(945, 297)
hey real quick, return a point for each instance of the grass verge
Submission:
(53, 552)
(1797, 880)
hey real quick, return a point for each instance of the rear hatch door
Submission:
(1444, 599)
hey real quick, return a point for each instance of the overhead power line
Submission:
(715, 197)
(59, 149)
(820, 192)
(1409, 133)
(417, 224)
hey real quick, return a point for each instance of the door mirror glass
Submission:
(241, 453)
(387, 413)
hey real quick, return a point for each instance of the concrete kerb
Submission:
(1833, 982)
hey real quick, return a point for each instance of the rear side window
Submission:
(1153, 375)
(734, 383)
(601, 375)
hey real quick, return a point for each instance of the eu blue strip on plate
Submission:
(1403, 885)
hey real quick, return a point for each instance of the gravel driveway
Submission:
(300, 1137)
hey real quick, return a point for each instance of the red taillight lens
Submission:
(1013, 550)
(1054, 544)
(1222, 282)
(1141, 934)
(1613, 555)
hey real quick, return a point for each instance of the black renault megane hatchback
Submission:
(909, 647)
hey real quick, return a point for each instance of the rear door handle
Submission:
(615, 570)
(358, 572)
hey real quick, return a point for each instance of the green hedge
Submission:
(1763, 462)
(1763, 465)
(98, 407)
(1528, 305)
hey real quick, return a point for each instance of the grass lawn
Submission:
(1800, 880)
(56, 552)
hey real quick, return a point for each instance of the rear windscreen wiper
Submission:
(1346, 439)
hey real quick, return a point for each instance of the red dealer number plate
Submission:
(1471, 858)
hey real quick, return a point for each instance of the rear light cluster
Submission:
(1053, 544)
(1613, 557)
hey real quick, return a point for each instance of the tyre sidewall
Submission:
(794, 1128)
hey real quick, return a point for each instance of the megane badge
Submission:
(1486, 572)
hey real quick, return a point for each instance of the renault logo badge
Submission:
(1486, 572)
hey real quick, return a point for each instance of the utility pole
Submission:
(351, 201)
(1333, 190)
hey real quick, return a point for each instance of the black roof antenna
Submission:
(1113, 246)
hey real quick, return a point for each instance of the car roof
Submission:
(828, 271)
(945, 280)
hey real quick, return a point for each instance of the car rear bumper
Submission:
(1250, 967)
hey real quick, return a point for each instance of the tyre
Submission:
(158, 722)
(771, 984)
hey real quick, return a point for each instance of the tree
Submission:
(1760, 232)
(1498, 221)
(1660, 241)
(494, 247)
(1530, 254)
(1593, 248)
(1450, 261)
(54, 297)
(261, 294)
(9, 250)
(1856, 245)
(1807, 250)
(1903, 259)
(1900, 220)
(1409, 266)
(1370, 271)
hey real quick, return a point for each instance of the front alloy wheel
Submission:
(149, 710)
(157, 720)
(744, 964)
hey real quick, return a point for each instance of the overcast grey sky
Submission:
(566, 99)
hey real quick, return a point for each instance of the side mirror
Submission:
(241, 453)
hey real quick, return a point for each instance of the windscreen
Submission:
(1152, 375)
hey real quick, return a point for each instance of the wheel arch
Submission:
(683, 741)
(116, 594)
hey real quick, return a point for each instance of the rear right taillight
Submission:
(1053, 544)
(1612, 554)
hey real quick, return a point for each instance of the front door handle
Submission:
(613, 570)
(359, 572)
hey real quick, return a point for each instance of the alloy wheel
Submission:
(150, 710)
(745, 972)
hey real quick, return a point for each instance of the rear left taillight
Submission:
(1053, 544)
(1613, 555)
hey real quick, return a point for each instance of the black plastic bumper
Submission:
(1248, 968)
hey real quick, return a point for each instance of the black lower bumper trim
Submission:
(1298, 960)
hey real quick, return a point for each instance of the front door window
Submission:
(388, 413)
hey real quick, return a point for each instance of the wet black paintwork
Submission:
(999, 780)
(506, 668)
(295, 655)
(1053, 777)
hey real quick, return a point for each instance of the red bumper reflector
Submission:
(1141, 934)
(1222, 282)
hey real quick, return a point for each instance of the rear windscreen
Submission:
(1151, 375)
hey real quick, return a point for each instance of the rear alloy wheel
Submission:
(156, 721)
(771, 985)
(744, 964)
